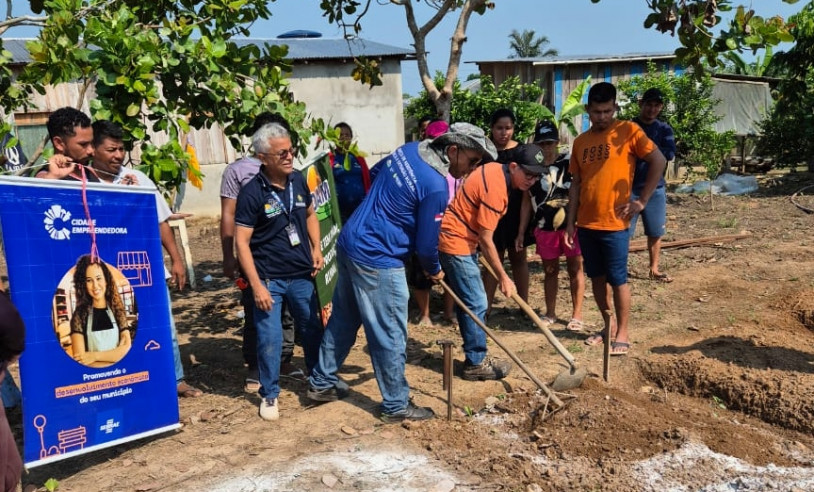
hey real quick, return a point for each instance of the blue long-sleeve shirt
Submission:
(662, 135)
(402, 213)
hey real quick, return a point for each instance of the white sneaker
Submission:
(269, 409)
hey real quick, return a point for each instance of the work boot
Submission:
(490, 368)
(412, 412)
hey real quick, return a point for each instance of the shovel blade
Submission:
(569, 379)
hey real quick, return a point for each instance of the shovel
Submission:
(550, 394)
(574, 377)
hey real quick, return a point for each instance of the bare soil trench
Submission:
(717, 392)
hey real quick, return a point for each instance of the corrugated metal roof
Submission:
(298, 49)
(326, 48)
(17, 48)
(570, 60)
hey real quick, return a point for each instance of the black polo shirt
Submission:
(258, 208)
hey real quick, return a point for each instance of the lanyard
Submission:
(290, 200)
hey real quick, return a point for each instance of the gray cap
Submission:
(468, 136)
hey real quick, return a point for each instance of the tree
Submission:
(788, 129)
(477, 107)
(693, 19)
(166, 65)
(689, 109)
(528, 45)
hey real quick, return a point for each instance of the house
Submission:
(321, 78)
(559, 75)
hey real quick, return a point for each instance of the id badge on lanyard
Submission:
(290, 229)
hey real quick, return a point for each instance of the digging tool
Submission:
(447, 344)
(606, 340)
(565, 380)
(556, 401)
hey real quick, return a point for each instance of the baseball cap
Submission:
(529, 157)
(468, 136)
(652, 95)
(546, 131)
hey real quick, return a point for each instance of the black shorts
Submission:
(509, 224)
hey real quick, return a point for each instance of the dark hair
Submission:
(501, 113)
(103, 129)
(602, 93)
(267, 117)
(344, 125)
(84, 303)
(62, 122)
(428, 119)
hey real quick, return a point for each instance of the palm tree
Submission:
(528, 45)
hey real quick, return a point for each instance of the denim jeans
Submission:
(301, 298)
(377, 299)
(176, 353)
(463, 276)
(9, 391)
(250, 332)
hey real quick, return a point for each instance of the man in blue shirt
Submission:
(654, 215)
(277, 241)
(401, 215)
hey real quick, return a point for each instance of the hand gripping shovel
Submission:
(565, 380)
(556, 401)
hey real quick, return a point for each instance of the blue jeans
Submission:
(176, 353)
(377, 299)
(301, 298)
(654, 215)
(9, 391)
(463, 276)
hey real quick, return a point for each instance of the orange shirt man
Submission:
(603, 161)
(469, 224)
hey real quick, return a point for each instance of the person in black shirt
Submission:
(545, 204)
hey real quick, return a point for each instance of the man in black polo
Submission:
(277, 241)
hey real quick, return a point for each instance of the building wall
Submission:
(376, 116)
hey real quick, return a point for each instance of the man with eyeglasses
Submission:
(469, 224)
(277, 241)
(402, 213)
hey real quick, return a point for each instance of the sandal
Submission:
(661, 277)
(186, 390)
(619, 348)
(575, 325)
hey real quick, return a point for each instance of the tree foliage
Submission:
(527, 44)
(477, 107)
(689, 109)
(165, 66)
(787, 132)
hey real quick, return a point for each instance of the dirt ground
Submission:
(717, 392)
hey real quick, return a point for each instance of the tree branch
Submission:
(458, 40)
(23, 20)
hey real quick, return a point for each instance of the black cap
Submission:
(529, 157)
(546, 131)
(653, 95)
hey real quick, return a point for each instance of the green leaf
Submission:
(132, 110)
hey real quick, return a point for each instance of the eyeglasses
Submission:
(530, 176)
(283, 153)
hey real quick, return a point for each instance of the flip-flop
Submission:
(619, 348)
(661, 277)
(186, 390)
(251, 385)
(548, 320)
(575, 325)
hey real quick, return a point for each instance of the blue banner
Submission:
(98, 368)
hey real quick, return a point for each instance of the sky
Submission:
(574, 27)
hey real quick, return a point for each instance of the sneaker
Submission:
(322, 395)
(490, 368)
(269, 409)
(412, 412)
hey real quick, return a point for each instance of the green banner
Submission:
(320, 178)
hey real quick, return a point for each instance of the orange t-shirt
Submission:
(605, 162)
(478, 206)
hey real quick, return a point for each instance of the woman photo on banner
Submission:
(100, 334)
